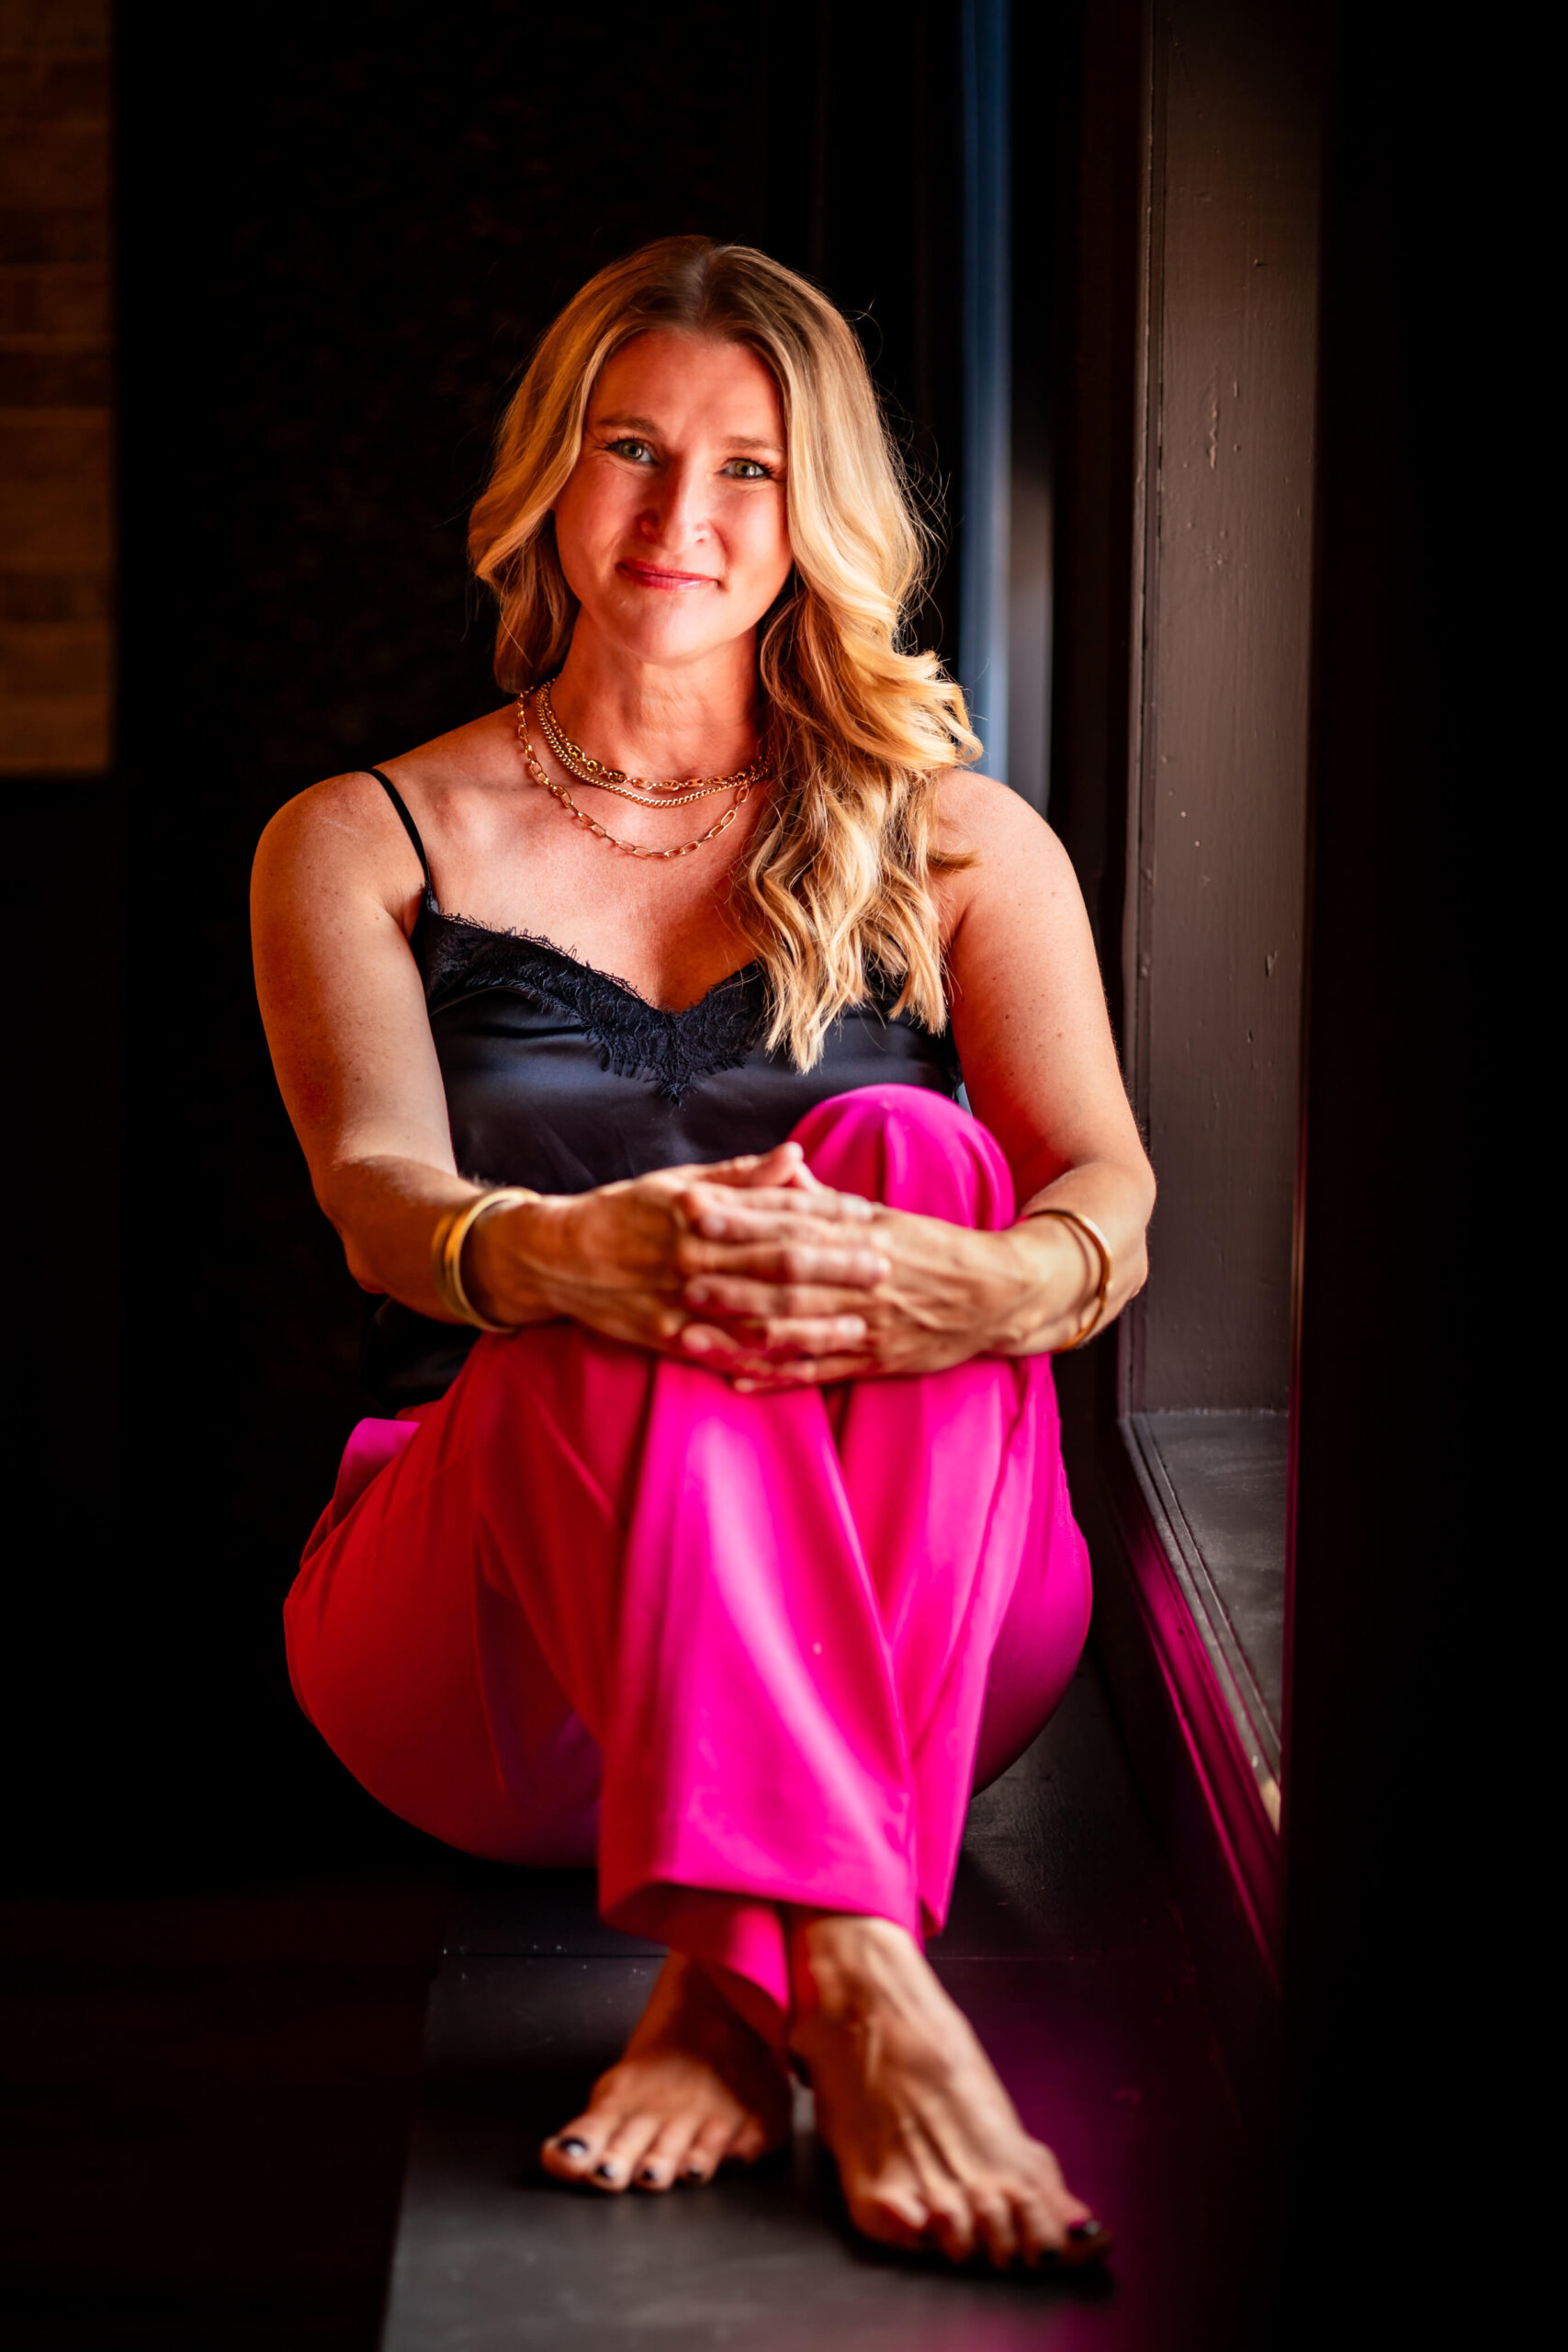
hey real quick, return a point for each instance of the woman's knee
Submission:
(910, 1149)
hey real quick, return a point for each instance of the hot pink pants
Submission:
(748, 1651)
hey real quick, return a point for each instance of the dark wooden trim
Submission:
(1188, 1573)
(1206, 1799)
(1221, 589)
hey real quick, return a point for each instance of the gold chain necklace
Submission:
(657, 796)
(588, 770)
(632, 849)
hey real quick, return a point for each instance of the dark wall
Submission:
(1093, 387)
(1405, 1978)
(333, 264)
(327, 287)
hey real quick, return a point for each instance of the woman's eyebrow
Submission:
(646, 424)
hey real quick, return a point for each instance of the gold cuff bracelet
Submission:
(1091, 1232)
(447, 1253)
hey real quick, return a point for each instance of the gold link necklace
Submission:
(631, 849)
(648, 792)
(657, 796)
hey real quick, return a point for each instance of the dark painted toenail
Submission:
(609, 2172)
(648, 2172)
(1082, 2232)
(695, 2172)
(573, 2147)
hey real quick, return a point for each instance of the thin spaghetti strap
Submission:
(400, 805)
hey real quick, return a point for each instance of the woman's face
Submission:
(671, 527)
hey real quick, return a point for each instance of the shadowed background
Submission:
(332, 265)
(334, 247)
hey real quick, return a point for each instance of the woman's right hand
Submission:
(619, 1259)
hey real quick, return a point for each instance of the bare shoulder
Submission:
(345, 832)
(341, 834)
(1014, 853)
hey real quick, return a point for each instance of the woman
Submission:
(738, 1547)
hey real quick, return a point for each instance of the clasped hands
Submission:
(792, 1283)
(754, 1268)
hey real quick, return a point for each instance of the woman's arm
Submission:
(1040, 1063)
(335, 890)
(1040, 1068)
(335, 895)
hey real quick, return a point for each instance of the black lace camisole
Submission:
(561, 1078)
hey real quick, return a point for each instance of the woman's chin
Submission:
(670, 637)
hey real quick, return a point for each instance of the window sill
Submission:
(1186, 1531)
(1214, 1487)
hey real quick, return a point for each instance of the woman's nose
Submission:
(676, 515)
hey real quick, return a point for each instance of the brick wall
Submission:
(57, 635)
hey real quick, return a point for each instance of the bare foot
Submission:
(929, 2145)
(696, 2086)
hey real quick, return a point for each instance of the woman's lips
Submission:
(651, 575)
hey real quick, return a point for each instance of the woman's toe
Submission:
(664, 2162)
(707, 2150)
(951, 2227)
(892, 2217)
(996, 2227)
(748, 2142)
(1040, 2232)
(571, 2153)
(622, 2152)
(1088, 2241)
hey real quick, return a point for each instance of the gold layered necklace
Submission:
(647, 791)
(634, 789)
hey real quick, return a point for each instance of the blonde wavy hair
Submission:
(858, 728)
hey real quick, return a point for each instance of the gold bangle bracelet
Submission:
(1091, 1232)
(447, 1253)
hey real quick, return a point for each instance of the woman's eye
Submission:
(637, 450)
(747, 469)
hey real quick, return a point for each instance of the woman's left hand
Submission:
(949, 1294)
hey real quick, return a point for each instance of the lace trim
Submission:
(633, 1038)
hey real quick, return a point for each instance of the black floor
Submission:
(1066, 1952)
(204, 2113)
